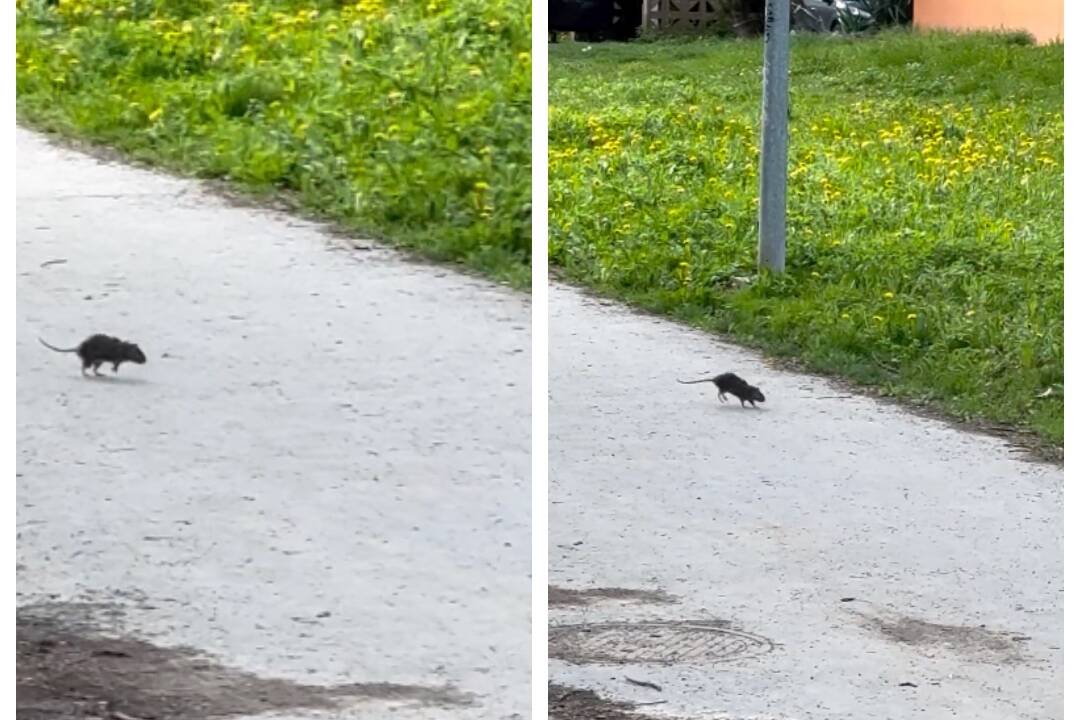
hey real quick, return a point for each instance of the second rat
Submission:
(731, 383)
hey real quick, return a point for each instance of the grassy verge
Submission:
(408, 121)
(926, 204)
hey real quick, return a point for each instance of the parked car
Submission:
(830, 15)
(594, 20)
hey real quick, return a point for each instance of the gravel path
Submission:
(878, 565)
(321, 474)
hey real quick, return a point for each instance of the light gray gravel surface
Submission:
(947, 545)
(321, 474)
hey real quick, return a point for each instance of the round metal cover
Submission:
(653, 642)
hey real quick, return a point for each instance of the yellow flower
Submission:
(878, 318)
(481, 185)
(969, 313)
(156, 115)
(845, 316)
(911, 316)
(887, 295)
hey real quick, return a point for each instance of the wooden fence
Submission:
(679, 15)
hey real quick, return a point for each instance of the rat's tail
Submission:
(692, 382)
(74, 349)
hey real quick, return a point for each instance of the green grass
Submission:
(925, 206)
(407, 121)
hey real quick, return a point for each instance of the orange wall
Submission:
(1045, 19)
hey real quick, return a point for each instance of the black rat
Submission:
(99, 349)
(732, 383)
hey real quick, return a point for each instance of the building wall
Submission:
(1045, 19)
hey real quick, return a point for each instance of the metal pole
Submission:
(772, 199)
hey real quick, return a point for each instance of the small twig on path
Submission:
(117, 715)
(643, 683)
(58, 261)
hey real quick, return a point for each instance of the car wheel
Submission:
(835, 27)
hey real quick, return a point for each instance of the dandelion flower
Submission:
(911, 316)
(887, 295)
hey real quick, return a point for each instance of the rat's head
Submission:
(756, 395)
(133, 353)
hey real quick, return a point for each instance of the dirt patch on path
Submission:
(565, 703)
(563, 597)
(975, 643)
(68, 670)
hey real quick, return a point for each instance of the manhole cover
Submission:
(653, 642)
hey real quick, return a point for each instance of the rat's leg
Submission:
(720, 394)
(97, 364)
(115, 367)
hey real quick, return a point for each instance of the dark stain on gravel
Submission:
(976, 643)
(562, 597)
(68, 669)
(566, 703)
